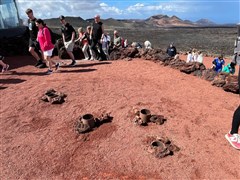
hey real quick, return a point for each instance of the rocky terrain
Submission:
(39, 139)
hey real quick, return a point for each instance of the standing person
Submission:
(106, 39)
(218, 64)
(4, 65)
(88, 31)
(233, 137)
(68, 36)
(83, 39)
(33, 44)
(171, 50)
(96, 35)
(44, 39)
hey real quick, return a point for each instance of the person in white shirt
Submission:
(105, 40)
(189, 57)
(200, 57)
(194, 55)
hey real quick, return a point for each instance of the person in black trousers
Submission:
(233, 137)
(96, 35)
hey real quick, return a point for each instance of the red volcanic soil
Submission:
(38, 140)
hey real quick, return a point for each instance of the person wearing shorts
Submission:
(33, 44)
(68, 36)
(44, 39)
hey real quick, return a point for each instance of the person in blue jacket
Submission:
(218, 64)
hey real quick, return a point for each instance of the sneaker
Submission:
(39, 62)
(57, 66)
(73, 63)
(49, 71)
(234, 140)
(91, 59)
(42, 65)
(5, 69)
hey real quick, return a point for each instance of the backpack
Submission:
(53, 39)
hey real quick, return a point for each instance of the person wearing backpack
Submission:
(34, 48)
(44, 39)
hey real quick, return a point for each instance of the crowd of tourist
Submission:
(95, 44)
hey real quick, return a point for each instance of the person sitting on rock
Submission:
(218, 64)
(189, 57)
(171, 50)
(136, 45)
(230, 68)
(147, 45)
(117, 40)
(199, 57)
(194, 55)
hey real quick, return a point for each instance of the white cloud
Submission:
(188, 9)
(88, 8)
(135, 8)
(53, 8)
(110, 9)
(158, 8)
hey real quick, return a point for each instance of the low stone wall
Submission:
(228, 82)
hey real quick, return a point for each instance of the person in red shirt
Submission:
(44, 39)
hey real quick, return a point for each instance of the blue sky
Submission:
(219, 11)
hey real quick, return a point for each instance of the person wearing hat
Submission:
(96, 35)
(68, 36)
(33, 44)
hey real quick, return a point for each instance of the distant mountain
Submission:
(174, 21)
(205, 22)
(151, 22)
(166, 21)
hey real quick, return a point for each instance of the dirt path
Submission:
(38, 140)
